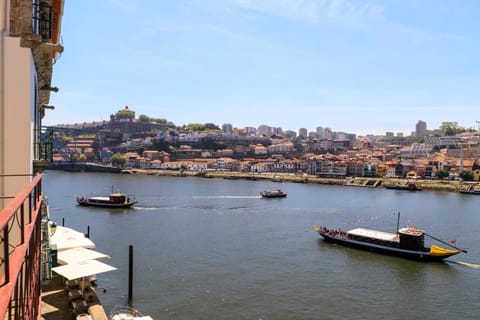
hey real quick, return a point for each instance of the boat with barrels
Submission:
(114, 200)
(407, 242)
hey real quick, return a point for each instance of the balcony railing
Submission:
(20, 254)
(45, 145)
(42, 20)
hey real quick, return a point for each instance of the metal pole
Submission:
(445, 243)
(398, 221)
(130, 274)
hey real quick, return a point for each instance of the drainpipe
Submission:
(3, 32)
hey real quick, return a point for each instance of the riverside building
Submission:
(29, 46)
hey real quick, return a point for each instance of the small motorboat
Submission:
(273, 193)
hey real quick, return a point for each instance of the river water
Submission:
(213, 249)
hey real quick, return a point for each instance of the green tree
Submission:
(144, 118)
(210, 144)
(197, 127)
(161, 121)
(440, 174)
(78, 157)
(451, 128)
(466, 175)
(161, 145)
(118, 159)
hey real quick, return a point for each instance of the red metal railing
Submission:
(20, 254)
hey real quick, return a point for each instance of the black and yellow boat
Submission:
(407, 242)
(114, 200)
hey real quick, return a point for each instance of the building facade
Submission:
(420, 129)
(29, 46)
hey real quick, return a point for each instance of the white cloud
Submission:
(332, 11)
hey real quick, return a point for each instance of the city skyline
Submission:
(366, 67)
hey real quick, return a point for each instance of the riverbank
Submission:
(434, 185)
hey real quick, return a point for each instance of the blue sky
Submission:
(359, 66)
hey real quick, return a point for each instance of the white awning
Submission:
(75, 255)
(66, 238)
(82, 269)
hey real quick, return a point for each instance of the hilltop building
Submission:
(420, 129)
(302, 132)
(227, 128)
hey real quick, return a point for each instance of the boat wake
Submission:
(146, 208)
(226, 197)
(465, 264)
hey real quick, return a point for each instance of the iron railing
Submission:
(42, 20)
(20, 254)
(44, 146)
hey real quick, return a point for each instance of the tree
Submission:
(198, 127)
(448, 128)
(79, 157)
(144, 118)
(466, 175)
(161, 145)
(440, 174)
(451, 128)
(118, 159)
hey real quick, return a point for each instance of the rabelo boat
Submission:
(407, 242)
(114, 200)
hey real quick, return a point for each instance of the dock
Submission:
(370, 183)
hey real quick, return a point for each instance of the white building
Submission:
(302, 132)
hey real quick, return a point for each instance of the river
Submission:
(213, 249)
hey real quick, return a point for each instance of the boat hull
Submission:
(392, 251)
(273, 193)
(476, 192)
(106, 205)
(403, 187)
(274, 196)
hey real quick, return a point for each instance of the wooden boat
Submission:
(407, 242)
(470, 190)
(477, 192)
(114, 200)
(410, 186)
(273, 193)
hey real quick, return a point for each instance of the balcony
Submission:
(43, 150)
(42, 21)
(20, 254)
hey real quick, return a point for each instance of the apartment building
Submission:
(29, 46)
